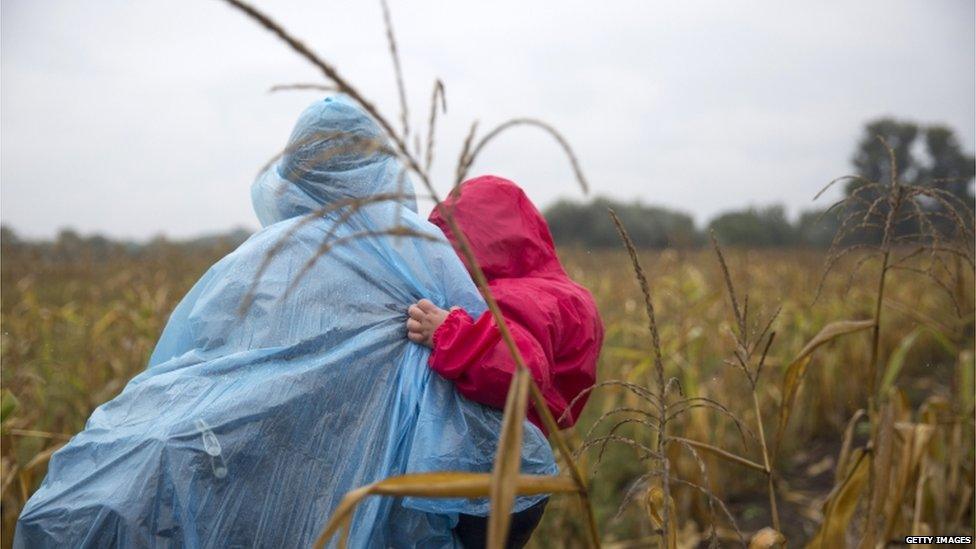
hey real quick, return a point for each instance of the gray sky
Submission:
(139, 118)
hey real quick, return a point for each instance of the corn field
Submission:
(753, 398)
(75, 331)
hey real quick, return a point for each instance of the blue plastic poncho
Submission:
(249, 427)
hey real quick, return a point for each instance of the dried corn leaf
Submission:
(438, 485)
(504, 475)
(798, 367)
(846, 445)
(840, 507)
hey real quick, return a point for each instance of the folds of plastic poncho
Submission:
(249, 427)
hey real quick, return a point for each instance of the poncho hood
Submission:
(336, 152)
(251, 424)
(508, 235)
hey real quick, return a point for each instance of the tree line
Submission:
(924, 155)
(588, 225)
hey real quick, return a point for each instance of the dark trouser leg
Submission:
(472, 530)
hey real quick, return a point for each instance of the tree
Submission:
(949, 163)
(764, 227)
(8, 235)
(925, 155)
(816, 228)
(871, 160)
(589, 225)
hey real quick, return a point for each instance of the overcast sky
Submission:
(139, 118)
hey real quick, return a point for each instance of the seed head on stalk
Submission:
(913, 228)
(504, 481)
(655, 486)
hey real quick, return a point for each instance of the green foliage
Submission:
(76, 331)
(588, 225)
(927, 156)
(923, 153)
(69, 246)
(8, 403)
(816, 228)
(755, 227)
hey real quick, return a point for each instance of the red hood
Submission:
(508, 235)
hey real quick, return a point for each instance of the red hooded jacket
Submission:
(554, 321)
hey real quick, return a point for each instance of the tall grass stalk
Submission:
(746, 347)
(894, 214)
(662, 401)
(504, 485)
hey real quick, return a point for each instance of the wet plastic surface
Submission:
(553, 320)
(247, 429)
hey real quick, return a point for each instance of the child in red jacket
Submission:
(554, 321)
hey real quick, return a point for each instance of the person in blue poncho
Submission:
(282, 381)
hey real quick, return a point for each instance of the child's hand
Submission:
(425, 318)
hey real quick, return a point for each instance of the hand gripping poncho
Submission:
(251, 424)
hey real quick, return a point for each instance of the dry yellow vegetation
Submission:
(74, 330)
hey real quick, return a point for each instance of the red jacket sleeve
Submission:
(471, 354)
